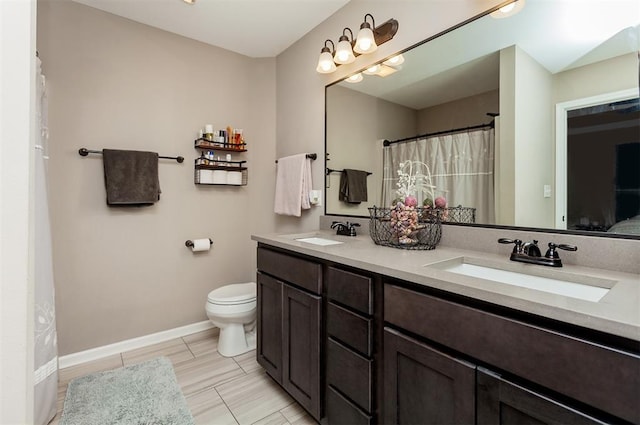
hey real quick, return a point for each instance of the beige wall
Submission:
(356, 124)
(608, 76)
(122, 273)
(534, 142)
(460, 113)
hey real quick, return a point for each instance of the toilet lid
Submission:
(237, 293)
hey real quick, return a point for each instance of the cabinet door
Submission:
(425, 386)
(301, 345)
(269, 322)
(503, 402)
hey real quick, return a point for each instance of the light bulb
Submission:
(365, 43)
(356, 78)
(508, 8)
(325, 63)
(395, 61)
(344, 54)
(372, 69)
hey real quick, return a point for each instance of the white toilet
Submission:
(232, 308)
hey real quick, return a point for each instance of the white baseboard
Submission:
(74, 359)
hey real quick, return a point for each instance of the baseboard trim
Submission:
(97, 353)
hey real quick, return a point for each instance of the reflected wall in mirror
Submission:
(558, 81)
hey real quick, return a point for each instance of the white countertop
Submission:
(617, 313)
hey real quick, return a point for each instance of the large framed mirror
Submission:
(543, 104)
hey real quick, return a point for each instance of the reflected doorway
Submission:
(597, 162)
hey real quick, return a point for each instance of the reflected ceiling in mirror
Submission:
(548, 59)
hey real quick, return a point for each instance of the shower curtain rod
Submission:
(438, 133)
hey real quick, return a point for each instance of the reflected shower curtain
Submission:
(461, 167)
(45, 344)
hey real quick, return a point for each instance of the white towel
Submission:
(293, 183)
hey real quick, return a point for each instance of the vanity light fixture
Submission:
(355, 78)
(190, 1)
(508, 9)
(367, 41)
(344, 52)
(325, 62)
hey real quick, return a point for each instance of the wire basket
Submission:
(386, 230)
(459, 214)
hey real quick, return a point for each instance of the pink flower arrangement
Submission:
(404, 221)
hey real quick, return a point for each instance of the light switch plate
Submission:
(547, 191)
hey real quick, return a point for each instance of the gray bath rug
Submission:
(141, 394)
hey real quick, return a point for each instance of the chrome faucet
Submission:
(529, 252)
(345, 229)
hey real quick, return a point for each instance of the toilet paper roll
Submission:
(201, 245)
(219, 177)
(234, 177)
(206, 176)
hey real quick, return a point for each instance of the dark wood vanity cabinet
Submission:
(354, 347)
(425, 386)
(269, 323)
(503, 402)
(289, 325)
(350, 365)
(586, 375)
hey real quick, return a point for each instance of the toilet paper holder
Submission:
(189, 243)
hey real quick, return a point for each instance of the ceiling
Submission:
(254, 28)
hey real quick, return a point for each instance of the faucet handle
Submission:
(517, 249)
(553, 253)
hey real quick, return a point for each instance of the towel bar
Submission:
(311, 156)
(85, 152)
(331, 170)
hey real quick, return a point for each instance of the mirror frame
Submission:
(490, 226)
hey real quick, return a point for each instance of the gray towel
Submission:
(131, 177)
(353, 186)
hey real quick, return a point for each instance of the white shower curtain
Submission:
(46, 344)
(461, 166)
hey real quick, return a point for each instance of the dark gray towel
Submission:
(131, 177)
(353, 186)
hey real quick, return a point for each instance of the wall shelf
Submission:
(219, 172)
(228, 147)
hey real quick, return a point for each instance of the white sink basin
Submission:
(569, 285)
(319, 241)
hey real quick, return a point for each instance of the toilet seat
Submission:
(237, 293)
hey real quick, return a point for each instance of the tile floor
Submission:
(219, 390)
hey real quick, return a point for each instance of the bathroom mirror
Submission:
(560, 91)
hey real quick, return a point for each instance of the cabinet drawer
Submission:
(303, 273)
(350, 329)
(577, 368)
(350, 373)
(342, 411)
(350, 289)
